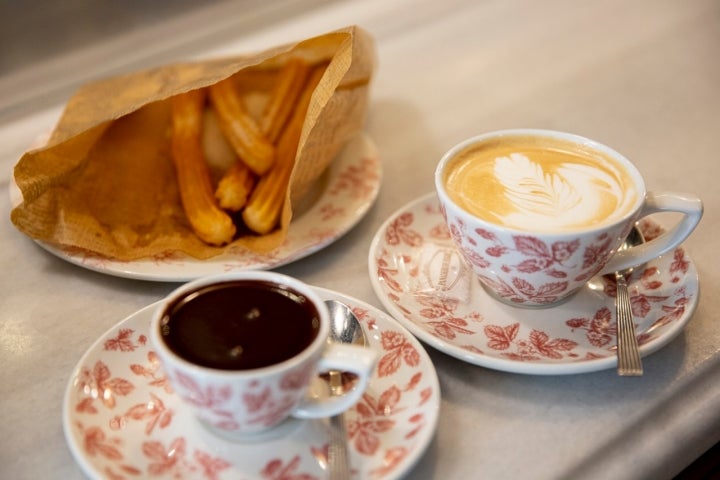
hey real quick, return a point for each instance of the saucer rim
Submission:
(147, 269)
(504, 364)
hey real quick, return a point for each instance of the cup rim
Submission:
(298, 359)
(556, 134)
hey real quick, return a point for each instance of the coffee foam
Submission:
(535, 186)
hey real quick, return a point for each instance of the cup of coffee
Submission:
(241, 349)
(538, 213)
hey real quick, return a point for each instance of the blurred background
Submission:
(51, 47)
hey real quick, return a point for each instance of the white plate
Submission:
(423, 282)
(121, 419)
(341, 198)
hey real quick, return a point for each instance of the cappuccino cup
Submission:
(241, 350)
(538, 213)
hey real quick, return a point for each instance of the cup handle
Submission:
(689, 205)
(345, 358)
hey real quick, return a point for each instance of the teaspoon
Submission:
(344, 328)
(629, 362)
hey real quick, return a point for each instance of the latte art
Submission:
(540, 187)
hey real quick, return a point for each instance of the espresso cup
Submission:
(537, 213)
(241, 349)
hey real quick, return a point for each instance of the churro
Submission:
(240, 129)
(288, 88)
(262, 212)
(235, 186)
(209, 222)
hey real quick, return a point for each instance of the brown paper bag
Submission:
(105, 181)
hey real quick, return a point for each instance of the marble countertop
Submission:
(639, 76)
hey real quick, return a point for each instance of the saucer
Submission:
(121, 419)
(341, 198)
(422, 280)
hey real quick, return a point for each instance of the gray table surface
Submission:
(641, 76)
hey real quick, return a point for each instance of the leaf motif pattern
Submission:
(122, 341)
(399, 231)
(101, 385)
(571, 340)
(537, 345)
(161, 445)
(532, 189)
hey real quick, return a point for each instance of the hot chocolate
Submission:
(240, 325)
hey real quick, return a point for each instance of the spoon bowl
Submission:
(344, 325)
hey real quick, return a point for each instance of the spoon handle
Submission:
(338, 462)
(629, 363)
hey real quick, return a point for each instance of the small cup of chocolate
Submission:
(241, 349)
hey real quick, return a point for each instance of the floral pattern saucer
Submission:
(423, 282)
(342, 197)
(123, 421)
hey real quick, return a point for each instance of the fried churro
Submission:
(240, 129)
(235, 186)
(288, 88)
(262, 212)
(210, 223)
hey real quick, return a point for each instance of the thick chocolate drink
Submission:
(240, 325)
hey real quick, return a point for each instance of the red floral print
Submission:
(164, 460)
(414, 299)
(295, 380)
(601, 329)
(474, 258)
(122, 341)
(391, 459)
(398, 350)
(213, 399)
(373, 419)
(174, 461)
(359, 180)
(673, 312)
(97, 443)
(386, 273)
(100, 384)
(680, 264)
(86, 257)
(153, 371)
(538, 344)
(167, 257)
(440, 232)
(154, 413)
(142, 435)
(399, 232)
(439, 314)
(273, 411)
(330, 211)
(277, 470)
(546, 293)
(210, 466)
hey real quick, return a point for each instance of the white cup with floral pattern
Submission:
(241, 350)
(537, 213)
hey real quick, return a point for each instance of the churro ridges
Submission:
(240, 129)
(235, 186)
(288, 88)
(262, 212)
(211, 224)
(257, 182)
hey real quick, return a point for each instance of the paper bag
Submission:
(105, 181)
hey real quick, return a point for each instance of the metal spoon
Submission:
(344, 328)
(629, 362)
